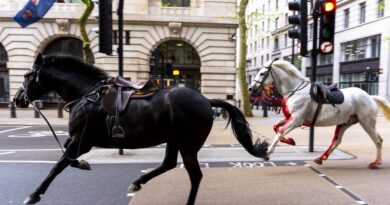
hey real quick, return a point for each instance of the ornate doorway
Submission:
(4, 76)
(182, 58)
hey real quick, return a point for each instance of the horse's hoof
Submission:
(373, 166)
(82, 164)
(291, 141)
(32, 199)
(318, 161)
(134, 188)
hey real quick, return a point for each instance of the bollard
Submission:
(60, 107)
(265, 109)
(36, 113)
(13, 109)
(120, 151)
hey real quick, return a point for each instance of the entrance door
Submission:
(181, 64)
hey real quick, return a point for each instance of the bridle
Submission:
(266, 74)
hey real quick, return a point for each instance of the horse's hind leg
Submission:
(191, 164)
(70, 154)
(170, 162)
(369, 127)
(338, 135)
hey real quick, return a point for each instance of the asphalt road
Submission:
(27, 153)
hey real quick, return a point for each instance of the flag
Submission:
(33, 12)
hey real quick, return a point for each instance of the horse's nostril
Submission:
(249, 89)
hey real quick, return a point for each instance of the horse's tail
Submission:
(384, 105)
(241, 130)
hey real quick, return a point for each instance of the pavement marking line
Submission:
(14, 129)
(28, 161)
(28, 150)
(353, 196)
(130, 194)
(4, 153)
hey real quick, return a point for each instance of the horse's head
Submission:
(261, 80)
(31, 88)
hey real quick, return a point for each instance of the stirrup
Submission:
(118, 132)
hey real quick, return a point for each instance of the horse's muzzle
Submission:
(20, 98)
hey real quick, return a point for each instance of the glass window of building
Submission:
(276, 44)
(276, 23)
(176, 3)
(362, 17)
(381, 8)
(346, 18)
(285, 40)
(360, 49)
(325, 59)
(367, 81)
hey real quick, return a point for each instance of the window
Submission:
(367, 81)
(311, 31)
(361, 49)
(267, 42)
(362, 18)
(285, 40)
(381, 8)
(324, 59)
(276, 23)
(268, 24)
(175, 3)
(286, 19)
(263, 26)
(346, 18)
(276, 44)
(276, 4)
(262, 43)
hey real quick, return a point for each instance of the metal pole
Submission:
(13, 109)
(292, 51)
(120, 46)
(314, 54)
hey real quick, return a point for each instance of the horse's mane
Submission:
(72, 64)
(289, 68)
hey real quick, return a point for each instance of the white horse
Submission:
(300, 109)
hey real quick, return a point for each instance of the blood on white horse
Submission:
(299, 109)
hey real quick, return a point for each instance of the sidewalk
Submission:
(26, 117)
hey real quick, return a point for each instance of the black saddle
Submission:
(326, 94)
(118, 95)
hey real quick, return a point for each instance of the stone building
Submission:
(196, 37)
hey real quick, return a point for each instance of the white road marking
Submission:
(4, 153)
(14, 129)
(28, 150)
(27, 161)
(130, 194)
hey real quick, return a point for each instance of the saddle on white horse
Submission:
(326, 94)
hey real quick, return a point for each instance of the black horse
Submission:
(180, 117)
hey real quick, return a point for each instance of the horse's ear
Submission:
(38, 60)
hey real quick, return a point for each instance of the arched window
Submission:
(69, 46)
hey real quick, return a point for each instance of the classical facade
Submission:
(361, 43)
(196, 37)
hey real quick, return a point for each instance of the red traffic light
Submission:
(329, 5)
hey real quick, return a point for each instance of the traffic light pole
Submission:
(314, 54)
(120, 45)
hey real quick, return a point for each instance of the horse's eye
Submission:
(31, 78)
(261, 74)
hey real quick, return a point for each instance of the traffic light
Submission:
(299, 20)
(105, 26)
(327, 26)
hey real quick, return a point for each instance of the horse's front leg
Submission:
(289, 125)
(287, 140)
(71, 153)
